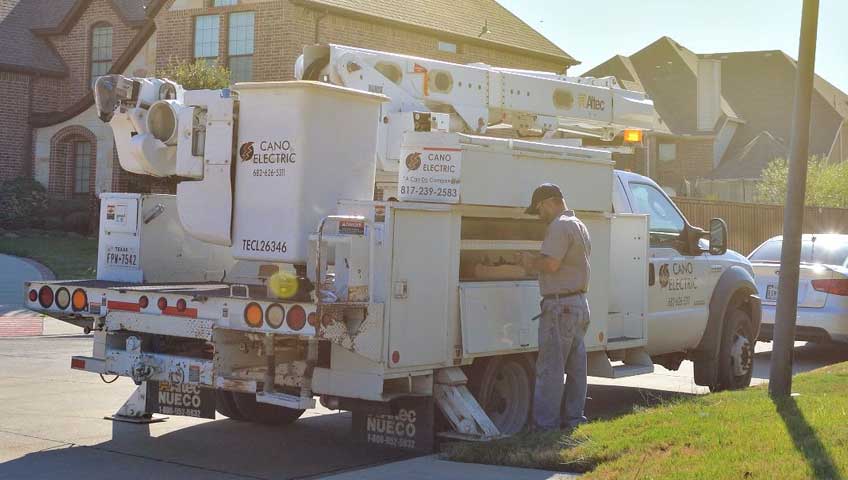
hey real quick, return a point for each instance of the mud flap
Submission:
(410, 425)
(182, 399)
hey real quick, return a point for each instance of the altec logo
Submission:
(591, 102)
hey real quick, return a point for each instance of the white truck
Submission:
(273, 276)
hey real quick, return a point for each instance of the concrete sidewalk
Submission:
(431, 467)
(15, 320)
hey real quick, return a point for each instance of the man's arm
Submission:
(535, 263)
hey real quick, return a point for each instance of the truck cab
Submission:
(688, 287)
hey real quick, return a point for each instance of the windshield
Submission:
(824, 252)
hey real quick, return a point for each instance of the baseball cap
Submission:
(543, 192)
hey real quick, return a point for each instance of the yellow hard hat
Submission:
(283, 284)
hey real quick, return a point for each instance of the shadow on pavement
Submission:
(805, 358)
(219, 449)
(610, 401)
(805, 439)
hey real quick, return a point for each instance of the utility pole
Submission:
(780, 376)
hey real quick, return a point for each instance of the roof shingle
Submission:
(464, 18)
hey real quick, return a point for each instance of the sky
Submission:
(593, 31)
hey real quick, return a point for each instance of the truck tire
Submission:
(225, 404)
(736, 352)
(264, 413)
(503, 386)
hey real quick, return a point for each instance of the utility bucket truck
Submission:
(273, 277)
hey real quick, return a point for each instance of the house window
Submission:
(206, 37)
(240, 46)
(224, 3)
(101, 51)
(82, 166)
(447, 47)
(667, 152)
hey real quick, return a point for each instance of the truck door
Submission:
(678, 284)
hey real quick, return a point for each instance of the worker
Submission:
(563, 269)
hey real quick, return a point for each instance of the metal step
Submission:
(636, 362)
(286, 400)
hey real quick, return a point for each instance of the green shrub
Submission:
(23, 203)
(197, 75)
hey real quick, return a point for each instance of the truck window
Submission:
(665, 222)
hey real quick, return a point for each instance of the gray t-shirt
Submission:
(566, 239)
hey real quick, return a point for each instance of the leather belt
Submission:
(557, 296)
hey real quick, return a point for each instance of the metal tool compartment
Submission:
(424, 275)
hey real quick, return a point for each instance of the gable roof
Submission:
(463, 18)
(761, 87)
(750, 161)
(25, 23)
(668, 73)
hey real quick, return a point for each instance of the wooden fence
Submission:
(751, 224)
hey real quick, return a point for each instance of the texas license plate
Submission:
(119, 256)
(771, 293)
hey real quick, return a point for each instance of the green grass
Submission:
(730, 435)
(68, 257)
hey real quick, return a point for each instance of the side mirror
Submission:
(718, 236)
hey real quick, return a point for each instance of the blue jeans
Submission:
(562, 327)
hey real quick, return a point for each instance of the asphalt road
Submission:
(52, 426)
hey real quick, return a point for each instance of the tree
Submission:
(827, 183)
(197, 75)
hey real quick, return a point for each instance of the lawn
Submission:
(730, 435)
(68, 257)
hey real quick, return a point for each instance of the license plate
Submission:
(771, 292)
(118, 256)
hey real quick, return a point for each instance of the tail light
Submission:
(143, 301)
(836, 286)
(79, 300)
(296, 318)
(253, 315)
(275, 315)
(33, 295)
(63, 298)
(312, 319)
(181, 305)
(45, 297)
(162, 303)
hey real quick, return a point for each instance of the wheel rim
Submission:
(741, 353)
(508, 400)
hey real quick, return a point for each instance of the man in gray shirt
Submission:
(563, 268)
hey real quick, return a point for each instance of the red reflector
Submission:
(296, 318)
(395, 356)
(33, 295)
(312, 319)
(181, 305)
(836, 286)
(143, 302)
(78, 363)
(162, 303)
(45, 296)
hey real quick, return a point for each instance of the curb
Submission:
(46, 273)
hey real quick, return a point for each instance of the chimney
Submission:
(709, 93)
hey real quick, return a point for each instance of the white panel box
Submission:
(302, 146)
(504, 172)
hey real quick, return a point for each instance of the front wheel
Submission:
(736, 352)
(503, 386)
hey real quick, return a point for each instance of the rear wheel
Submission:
(263, 412)
(736, 353)
(503, 386)
(225, 404)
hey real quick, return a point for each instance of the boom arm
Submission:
(477, 96)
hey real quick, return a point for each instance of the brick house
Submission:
(724, 116)
(51, 50)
